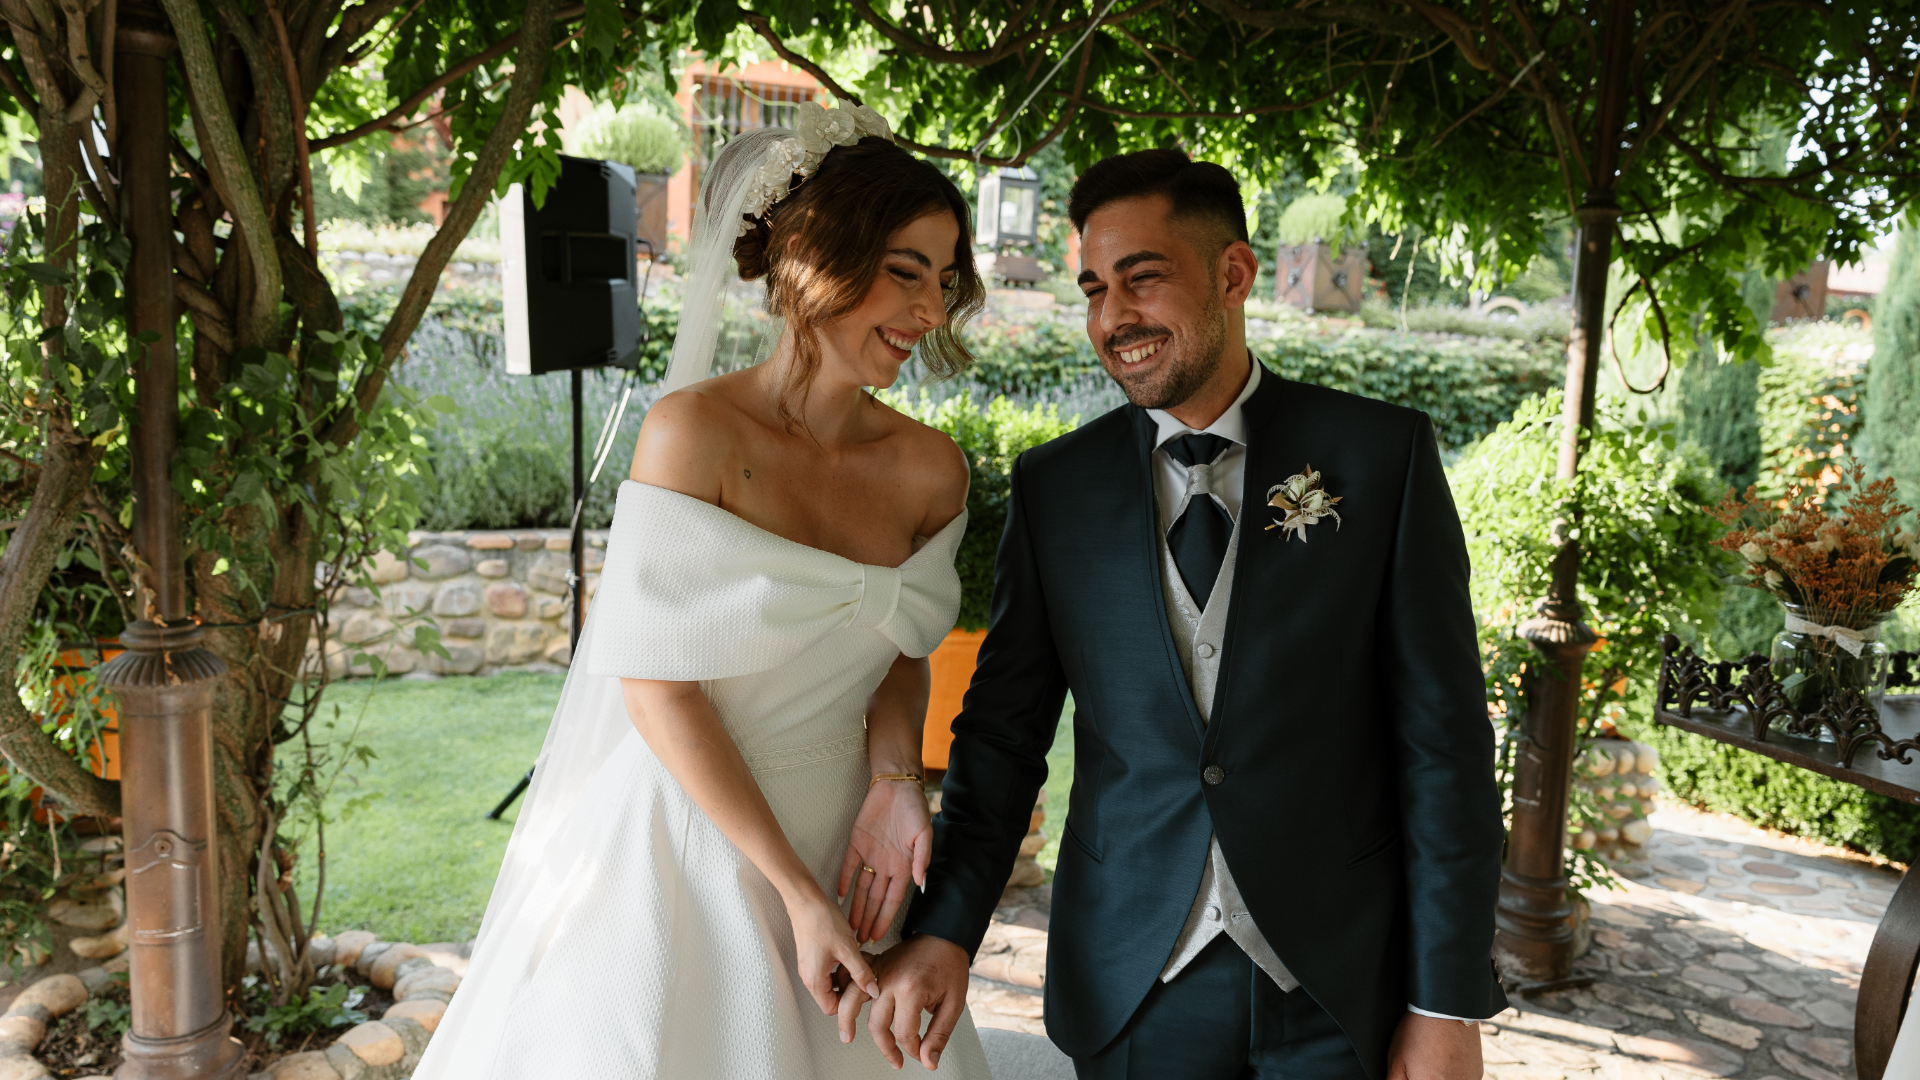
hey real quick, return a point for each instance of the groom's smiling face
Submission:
(1159, 289)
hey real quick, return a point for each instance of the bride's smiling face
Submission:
(906, 301)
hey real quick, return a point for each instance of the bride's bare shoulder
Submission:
(936, 470)
(688, 440)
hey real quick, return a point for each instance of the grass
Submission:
(415, 860)
(1059, 780)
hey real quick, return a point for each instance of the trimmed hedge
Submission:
(1468, 386)
(991, 436)
(1773, 795)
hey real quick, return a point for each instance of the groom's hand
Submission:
(1430, 1048)
(923, 974)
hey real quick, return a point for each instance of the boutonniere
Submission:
(1304, 502)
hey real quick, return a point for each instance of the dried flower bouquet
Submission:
(1840, 563)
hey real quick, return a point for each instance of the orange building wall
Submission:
(680, 188)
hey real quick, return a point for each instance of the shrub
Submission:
(1025, 358)
(1647, 564)
(991, 438)
(503, 459)
(1779, 796)
(1810, 401)
(632, 135)
(1892, 441)
(1718, 411)
(1467, 387)
(1541, 327)
(1313, 217)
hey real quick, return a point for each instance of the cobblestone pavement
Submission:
(1728, 952)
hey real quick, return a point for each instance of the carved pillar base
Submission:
(1533, 928)
(164, 685)
(204, 1055)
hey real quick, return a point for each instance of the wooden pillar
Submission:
(164, 682)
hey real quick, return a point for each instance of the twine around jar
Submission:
(1853, 640)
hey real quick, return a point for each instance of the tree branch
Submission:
(227, 158)
(60, 489)
(763, 27)
(28, 43)
(274, 109)
(304, 160)
(529, 76)
(208, 317)
(355, 23)
(12, 84)
(452, 75)
(1001, 49)
(1320, 16)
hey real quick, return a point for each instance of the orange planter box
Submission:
(65, 686)
(953, 663)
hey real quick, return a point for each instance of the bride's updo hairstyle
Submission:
(821, 247)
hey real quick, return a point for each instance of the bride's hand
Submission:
(823, 943)
(894, 836)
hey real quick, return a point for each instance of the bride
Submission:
(739, 741)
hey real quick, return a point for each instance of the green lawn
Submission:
(1059, 779)
(416, 862)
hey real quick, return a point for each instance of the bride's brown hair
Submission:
(821, 248)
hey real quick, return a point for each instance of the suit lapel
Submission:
(1274, 452)
(1146, 526)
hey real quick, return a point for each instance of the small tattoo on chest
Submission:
(748, 473)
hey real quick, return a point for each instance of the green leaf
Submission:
(46, 273)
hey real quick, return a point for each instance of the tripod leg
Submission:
(511, 795)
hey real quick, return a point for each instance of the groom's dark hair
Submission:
(1201, 192)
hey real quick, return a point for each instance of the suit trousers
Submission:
(1222, 1018)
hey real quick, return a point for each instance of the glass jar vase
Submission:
(1813, 668)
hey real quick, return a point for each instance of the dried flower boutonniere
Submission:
(1304, 501)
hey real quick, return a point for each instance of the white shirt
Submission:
(1200, 634)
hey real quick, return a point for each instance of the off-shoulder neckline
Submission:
(958, 520)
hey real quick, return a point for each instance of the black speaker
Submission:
(567, 271)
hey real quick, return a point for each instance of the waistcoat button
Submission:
(1213, 774)
(1205, 650)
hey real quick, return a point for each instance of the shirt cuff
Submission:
(1412, 1008)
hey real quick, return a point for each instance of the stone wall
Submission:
(499, 600)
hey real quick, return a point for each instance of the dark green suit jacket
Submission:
(1357, 809)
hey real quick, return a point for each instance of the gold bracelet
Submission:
(905, 777)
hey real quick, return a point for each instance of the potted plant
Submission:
(1313, 270)
(640, 137)
(1839, 562)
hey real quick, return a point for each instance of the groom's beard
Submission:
(1189, 367)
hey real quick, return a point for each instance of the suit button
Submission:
(1213, 774)
(1205, 650)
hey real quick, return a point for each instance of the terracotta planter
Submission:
(1309, 277)
(75, 661)
(79, 660)
(953, 664)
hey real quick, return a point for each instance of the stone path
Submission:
(1729, 952)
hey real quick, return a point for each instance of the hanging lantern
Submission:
(1009, 210)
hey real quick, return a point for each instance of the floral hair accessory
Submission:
(818, 131)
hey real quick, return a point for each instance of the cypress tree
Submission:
(1719, 412)
(1719, 403)
(1891, 434)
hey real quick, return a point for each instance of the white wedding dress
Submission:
(627, 939)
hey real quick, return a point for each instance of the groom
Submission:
(1283, 837)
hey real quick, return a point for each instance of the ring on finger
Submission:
(865, 869)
